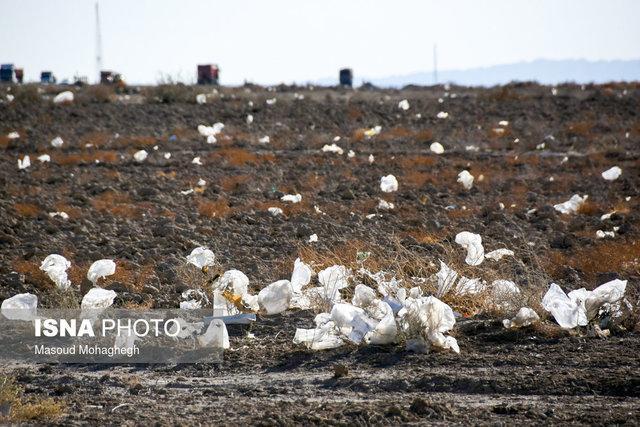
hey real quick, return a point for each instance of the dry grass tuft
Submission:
(26, 210)
(21, 409)
(116, 204)
(214, 209)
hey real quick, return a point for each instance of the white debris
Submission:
(466, 179)
(466, 286)
(498, 254)
(602, 234)
(202, 182)
(351, 154)
(216, 335)
(10, 97)
(167, 156)
(383, 204)
(403, 105)
(472, 148)
(612, 174)
(66, 96)
(99, 269)
(369, 133)
(196, 161)
(24, 163)
(446, 278)
(313, 238)
(271, 101)
(567, 310)
(140, 156)
(525, 317)
(436, 147)
(62, 215)
(473, 244)
(275, 298)
(572, 205)
(332, 279)
(323, 337)
(336, 138)
(371, 159)
(333, 148)
(20, 307)
(275, 211)
(503, 123)
(432, 318)
(57, 142)
(388, 184)
(293, 198)
(13, 135)
(442, 115)
(504, 288)
(264, 140)
(56, 268)
(97, 299)
(43, 158)
(201, 98)
(187, 192)
(249, 119)
(201, 257)
(211, 139)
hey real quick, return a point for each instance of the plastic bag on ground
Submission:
(473, 244)
(323, 337)
(446, 278)
(100, 269)
(608, 293)
(386, 331)
(525, 317)
(572, 205)
(498, 254)
(363, 296)
(432, 318)
(466, 286)
(332, 279)
(293, 198)
(216, 335)
(66, 96)
(612, 174)
(352, 322)
(24, 163)
(388, 184)
(436, 148)
(98, 298)
(568, 312)
(201, 257)
(56, 268)
(20, 307)
(466, 179)
(275, 298)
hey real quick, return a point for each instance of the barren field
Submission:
(142, 215)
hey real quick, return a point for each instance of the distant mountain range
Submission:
(543, 71)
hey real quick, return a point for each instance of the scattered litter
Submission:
(351, 154)
(271, 101)
(24, 163)
(504, 288)
(602, 234)
(20, 307)
(57, 142)
(313, 238)
(437, 148)
(264, 140)
(99, 269)
(275, 298)
(612, 174)
(403, 105)
(201, 257)
(446, 278)
(249, 119)
(196, 161)
(466, 179)
(388, 184)
(442, 115)
(473, 244)
(202, 182)
(211, 139)
(466, 286)
(66, 96)
(187, 192)
(472, 148)
(216, 335)
(525, 317)
(56, 268)
(383, 204)
(275, 211)
(432, 318)
(333, 148)
(369, 133)
(371, 159)
(98, 298)
(503, 123)
(167, 156)
(140, 156)
(336, 138)
(201, 98)
(498, 254)
(62, 215)
(13, 135)
(293, 198)
(44, 158)
(572, 205)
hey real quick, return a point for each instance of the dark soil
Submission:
(134, 213)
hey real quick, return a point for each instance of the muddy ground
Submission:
(134, 213)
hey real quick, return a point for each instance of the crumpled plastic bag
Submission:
(568, 311)
(466, 179)
(323, 337)
(403, 105)
(97, 299)
(20, 307)
(504, 288)
(334, 278)
(66, 96)
(432, 318)
(525, 317)
(607, 293)
(201, 257)
(369, 133)
(140, 156)
(363, 296)
(57, 142)
(43, 158)
(99, 269)
(24, 163)
(388, 184)
(210, 130)
(473, 244)
(498, 254)
(193, 299)
(300, 277)
(333, 148)
(446, 278)
(572, 205)
(216, 335)
(612, 174)
(56, 268)
(436, 148)
(201, 98)
(275, 298)
(293, 198)
(386, 331)
(236, 284)
(467, 286)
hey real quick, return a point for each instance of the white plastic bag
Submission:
(56, 268)
(466, 179)
(97, 299)
(66, 96)
(275, 298)
(201, 257)
(473, 244)
(20, 307)
(612, 174)
(100, 269)
(216, 335)
(388, 184)
(572, 205)
(525, 317)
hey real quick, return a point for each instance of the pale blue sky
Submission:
(296, 40)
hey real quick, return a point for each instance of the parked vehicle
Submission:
(10, 74)
(47, 77)
(208, 74)
(346, 77)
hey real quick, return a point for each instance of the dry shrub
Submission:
(4, 141)
(620, 256)
(359, 135)
(33, 274)
(72, 211)
(85, 157)
(424, 135)
(166, 175)
(116, 204)
(235, 156)
(26, 409)
(214, 209)
(97, 93)
(28, 210)
(590, 207)
(416, 161)
(582, 128)
(395, 133)
(233, 182)
(132, 277)
(354, 113)
(134, 141)
(97, 139)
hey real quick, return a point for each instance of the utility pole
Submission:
(435, 64)
(98, 43)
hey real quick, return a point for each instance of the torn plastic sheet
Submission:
(431, 318)
(20, 307)
(201, 257)
(473, 244)
(525, 317)
(572, 205)
(56, 267)
(101, 268)
(275, 298)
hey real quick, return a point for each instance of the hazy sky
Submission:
(297, 40)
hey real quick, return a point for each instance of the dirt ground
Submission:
(553, 147)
